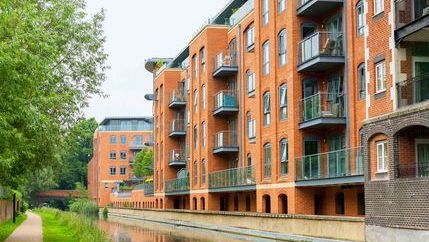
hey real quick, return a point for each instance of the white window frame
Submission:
(266, 58)
(381, 155)
(360, 21)
(267, 109)
(378, 7)
(250, 38)
(203, 134)
(281, 5)
(283, 101)
(195, 100)
(203, 59)
(282, 48)
(250, 82)
(251, 127)
(265, 12)
(380, 76)
(112, 171)
(195, 67)
(203, 97)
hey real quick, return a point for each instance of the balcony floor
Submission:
(348, 180)
(322, 122)
(177, 163)
(177, 104)
(225, 150)
(415, 31)
(177, 134)
(225, 111)
(240, 188)
(224, 71)
(177, 193)
(321, 63)
(317, 8)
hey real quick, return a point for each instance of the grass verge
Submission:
(7, 228)
(69, 227)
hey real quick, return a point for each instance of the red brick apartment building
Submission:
(116, 142)
(299, 106)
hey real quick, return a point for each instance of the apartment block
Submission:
(117, 140)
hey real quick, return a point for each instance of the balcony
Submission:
(177, 128)
(316, 8)
(241, 13)
(225, 64)
(412, 20)
(136, 145)
(413, 91)
(177, 99)
(146, 187)
(321, 110)
(321, 51)
(331, 168)
(225, 103)
(177, 186)
(412, 170)
(177, 158)
(225, 142)
(236, 179)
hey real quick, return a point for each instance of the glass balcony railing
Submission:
(177, 157)
(413, 91)
(225, 139)
(320, 44)
(177, 185)
(242, 12)
(225, 63)
(334, 164)
(225, 100)
(408, 11)
(321, 105)
(413, 170)
(148, 188)
(177, 97)
(241, 176)
(177, 126)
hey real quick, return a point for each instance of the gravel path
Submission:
(29, 231)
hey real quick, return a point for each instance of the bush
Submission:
(105, 213)
(83, 206)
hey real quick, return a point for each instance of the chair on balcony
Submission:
(328, 47)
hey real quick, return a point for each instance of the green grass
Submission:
(6, 228)
(61, 226)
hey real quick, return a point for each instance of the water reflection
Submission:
(130, 230)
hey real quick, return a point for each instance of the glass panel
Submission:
(423, 160)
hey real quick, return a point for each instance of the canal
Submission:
(132, 230)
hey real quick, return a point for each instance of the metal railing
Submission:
(177, 95)
(225, 99)
(225, 59)
(225, 139)
(412, 170)
(407, 11)
(177, 156)
(320, 44)
(124, 194)
(412, 91)
(334, 164)
(240, 176)
(148, 188)
(242, 12)
(177, 125)
(177, 185)
(321, 105)
(136, 144)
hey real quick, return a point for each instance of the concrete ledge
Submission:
(378, 233)
(274, 226)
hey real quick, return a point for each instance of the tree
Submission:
(143, 163)
(51, 61)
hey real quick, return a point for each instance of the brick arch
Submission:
(378, 129)
(409, 123)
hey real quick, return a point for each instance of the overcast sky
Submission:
(137, 30)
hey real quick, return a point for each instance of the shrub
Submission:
(105, 213)
(83, 206)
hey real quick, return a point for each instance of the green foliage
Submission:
(40, 180)
(69, 227)
(51, 61)
(7, 228)
(83, 205)
(143, 163)
(105, 213)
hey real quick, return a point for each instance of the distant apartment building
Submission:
(116, 143)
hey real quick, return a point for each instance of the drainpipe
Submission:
(346, 75)
(240, 97)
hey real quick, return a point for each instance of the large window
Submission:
(266, 58)
(112, 171)
(203, 171)
(267, 160)
(123, 139)
(195, 169)
(195, 136)
(282, 47)
(267, 109)
(281, 5)
(283, 101)
(362, 81)
(203, 97)
(203, 134)
(380, 76)
(203, 59)
(265, 11)
(250, 38)
(251, 126)
(123, 170)
(381, 156)
(195, 67)
(195, 100)
(360, 18)
(284, 157)
(378, 6)
(251, 82)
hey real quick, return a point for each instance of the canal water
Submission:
(132, 230)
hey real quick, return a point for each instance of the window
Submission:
(203, 59)
(123, 155)
(267, 160)
(362, 81)
(281, 5)
(378, 6)
(282, 47)
(203, 171)
(266, 58)
(123, 139)
(123, 170)
(203, 134)
(203, 97)
(360, 18)
(251, 83)
(284, 157)
(381, 156)
(106, 185)
(112, 171)
(380, 76)
(339, 203)
(283, 102)
(113, 155)
(265, 11)
(250, 38)
(195, 172)
(113, 139)
(251, 126)
(267, 109)
(195, 67)
(195, 100)
(195, 136)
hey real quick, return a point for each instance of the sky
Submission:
(135, 31)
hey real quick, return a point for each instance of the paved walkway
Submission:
(29, 231)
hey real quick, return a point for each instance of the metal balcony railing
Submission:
(242, 12)
(225, 139)
(136, 144)
(319, 44)
(148, 188)
(240, 176)
(225, 99)
(225, 59)
(321, 105)
(412, 170)
(407, 11)
(177, 156)
(177, 96)
(334, 164)
(412, 91)
(177, 125)
(177, 185)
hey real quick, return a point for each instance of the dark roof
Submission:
(147, 119)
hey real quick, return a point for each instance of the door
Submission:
(311, 159)
(335, 98)
(333, 43)
(336, 156)
(309, 44)
(421, 83)
(422, 157)
(311, 101)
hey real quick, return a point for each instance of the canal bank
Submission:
(270, 226)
